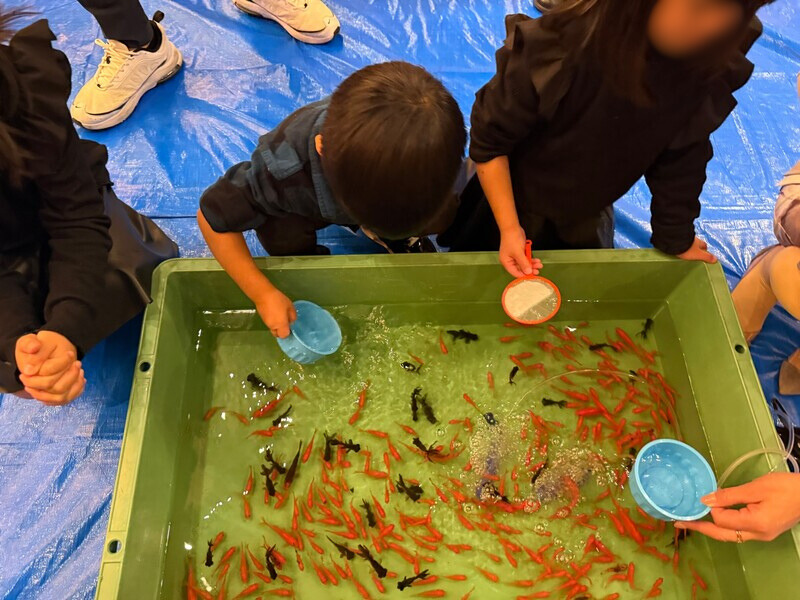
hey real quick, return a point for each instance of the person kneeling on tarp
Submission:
(75, 262)
(774, 277)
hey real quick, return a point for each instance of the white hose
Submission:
(753, 453)
(786, 454)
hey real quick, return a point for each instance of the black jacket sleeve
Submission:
(18, 316)
(72, 210)
(529, 82)
(676, 179)
(230, 204)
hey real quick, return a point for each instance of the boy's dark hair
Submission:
(393, 142)
(617, 39)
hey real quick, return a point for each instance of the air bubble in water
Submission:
(540, 528)
(440, 432)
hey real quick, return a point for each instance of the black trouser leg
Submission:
(121, 20)
(585, 234)
(291, 235)
(593, 234)
(474, 228)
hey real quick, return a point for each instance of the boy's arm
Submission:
(495, 178)
(230, 250)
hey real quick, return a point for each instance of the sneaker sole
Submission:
(166, 71)
(253, 9)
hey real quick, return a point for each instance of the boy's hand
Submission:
(698, 251)
(512, 254)
(49, 368)
(277, 312)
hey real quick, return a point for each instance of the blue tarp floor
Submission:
(242, 76)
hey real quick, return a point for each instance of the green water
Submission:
(223, 453)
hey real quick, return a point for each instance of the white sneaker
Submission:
(309, 21)
(121, 79)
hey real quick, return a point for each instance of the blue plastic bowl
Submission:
(314, 334)
(668, 480)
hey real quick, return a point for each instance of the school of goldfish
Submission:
(383, 512)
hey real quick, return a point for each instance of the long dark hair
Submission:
(12, 157)
(616, 38)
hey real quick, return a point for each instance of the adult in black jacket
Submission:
(75, 262)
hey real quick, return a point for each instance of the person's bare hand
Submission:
(49, 368)
(64, 390)
(27, 354)
(513, 256)
(277, 312)
(770, 506)
(698, 251)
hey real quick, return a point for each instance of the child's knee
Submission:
(784, 278)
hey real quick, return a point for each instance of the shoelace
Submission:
(115, 59)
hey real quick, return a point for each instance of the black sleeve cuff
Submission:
(72, 320)
(673, 240)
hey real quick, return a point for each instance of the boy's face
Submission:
(684, 28)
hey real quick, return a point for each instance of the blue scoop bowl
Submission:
(668, 480)
(314, 335)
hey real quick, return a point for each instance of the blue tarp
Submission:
(242, 76)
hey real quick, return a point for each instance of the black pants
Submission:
(121, 20)
(137, 247)
(475, 228)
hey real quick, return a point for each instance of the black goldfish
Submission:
(290, 474)
(646, 327)
(597, 347)
(414, 492)
(380, 570)
(328, 447)
(460, 334)
(210, 554)
(370, 515)
(416, 395)
(259, 384)
(428, 451)
(538, 472)
(281, 417)
(411, 367)
(273, 573)
(270, 487)
(409, 581)
(344, 551)
(549, 402)
(277, 466)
